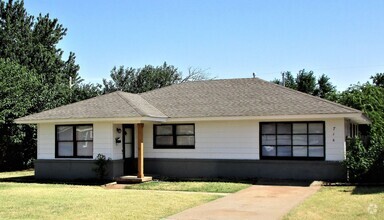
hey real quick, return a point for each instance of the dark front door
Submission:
(130, 167)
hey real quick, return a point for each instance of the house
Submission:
(244, 128)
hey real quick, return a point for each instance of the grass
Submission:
(61, 201)
(342, 202)
(191, 186)
(15, 174)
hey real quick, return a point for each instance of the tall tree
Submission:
(306, 81)
(324, 88)
(18, 96)
(34, 76)
(32, 42)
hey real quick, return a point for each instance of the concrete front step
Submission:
(132, 179)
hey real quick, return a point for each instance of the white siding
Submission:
(45, 141)
(103, 139)
(213, 140)
(335, 140)
(238, 140)
(117, 147)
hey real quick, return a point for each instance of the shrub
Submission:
(101, 168)
(357, 161)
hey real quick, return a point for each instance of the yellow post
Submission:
(140, 156)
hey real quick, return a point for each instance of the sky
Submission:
(228, 39)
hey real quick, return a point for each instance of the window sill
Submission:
(173, 147)
(82, 158)
(293, 158)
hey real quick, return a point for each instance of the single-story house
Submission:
(241, 128)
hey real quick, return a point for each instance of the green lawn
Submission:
(60, 201)
(342, 202)
(213, 187)
(16, 174)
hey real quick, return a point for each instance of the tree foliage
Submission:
(324, 88)
(306, 82)
(33, 42)
(17, 98)
(148, 78)
(370, 100)
(142, 79)
(357, 160)
(378, 79)
(34, 77)
(289, 80)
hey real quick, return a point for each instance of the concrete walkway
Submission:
(255, 202)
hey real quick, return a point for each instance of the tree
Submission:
(370, 100)
(34, 77)
(85, 91)
(17, 98)
(378, 79)
(148, 78)
(306, 82)
(324, 88)
(196, 74)
(33, 43)
(289, 80)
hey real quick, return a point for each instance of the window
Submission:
(178, 136)
(74, 141)
(292, 140)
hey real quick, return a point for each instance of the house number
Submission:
(333, 135)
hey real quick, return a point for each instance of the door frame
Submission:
(133, 140)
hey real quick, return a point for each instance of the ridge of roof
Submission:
(138, 111)
(238, 97)
(135, 104)
(262, 81)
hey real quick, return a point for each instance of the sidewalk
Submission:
(255, 202)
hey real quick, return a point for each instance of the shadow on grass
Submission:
(366, 190)
(31, 179)
(98, 182)
(253, 181)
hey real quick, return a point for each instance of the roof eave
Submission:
(356, 117)
(360, 118)
(91, 120)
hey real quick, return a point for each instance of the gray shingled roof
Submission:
(113, 105)
(212, 98)
(237, 97)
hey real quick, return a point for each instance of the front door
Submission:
(129, 149)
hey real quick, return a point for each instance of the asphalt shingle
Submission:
(211, 98)
(237, 97)
(112, 105)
